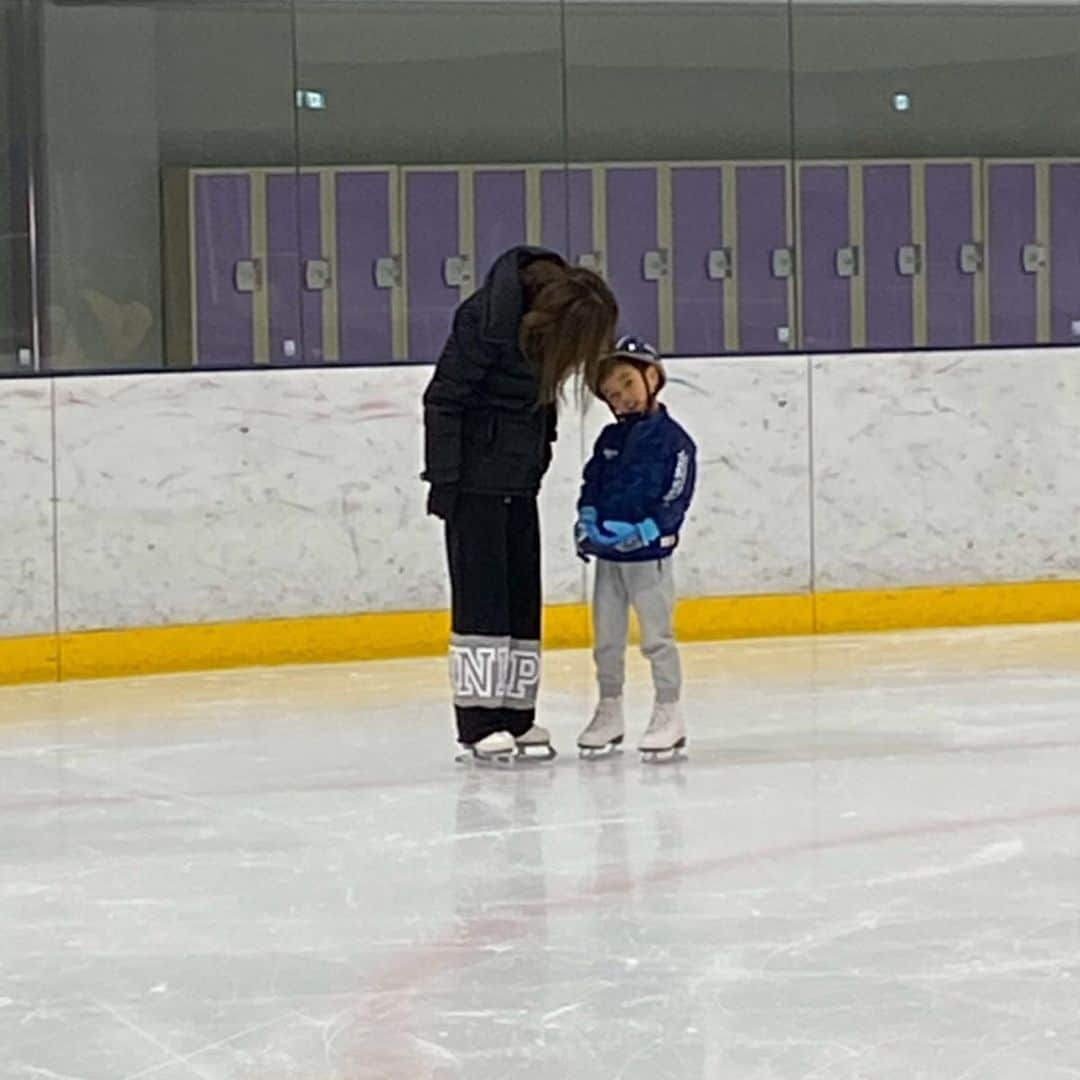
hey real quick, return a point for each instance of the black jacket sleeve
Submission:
(452, 389)
(551, 433)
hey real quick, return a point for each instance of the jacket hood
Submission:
(504, 294)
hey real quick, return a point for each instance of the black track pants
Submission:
(493, 548)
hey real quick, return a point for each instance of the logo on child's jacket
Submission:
(609, 454)
(682, 471)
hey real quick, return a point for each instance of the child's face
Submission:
(627, 389)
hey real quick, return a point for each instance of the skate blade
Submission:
(536, 755)
(487, 761)
(668, 754)
(593, 753)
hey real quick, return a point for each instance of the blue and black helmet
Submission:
(636, 351)
(629, 347)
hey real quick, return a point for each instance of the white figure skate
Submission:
(605, 732)
(498, 748)
(535, 744)
(665, 737)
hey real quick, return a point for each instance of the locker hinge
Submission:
(247, 275)
(317, 275)
(782, 262)
(592, 260)
(388, 272)
(721, 264)
(909, 260)
(654, 265)
(1033, 257)
(458, 271)
(971, 258)
(847, 262)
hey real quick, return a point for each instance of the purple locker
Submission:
(498, 215)
(887, 227)
(697, 207)
(365, 314)
(222, 225)
(631, 232)
(826, 296)
(566, 211)
(1064, 251)
(1010, 226)
(431, 237)
(950, 292)
(761, 196)
(293, 221)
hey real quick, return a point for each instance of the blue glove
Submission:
(586, 516)
(626, 537)
(586, 523)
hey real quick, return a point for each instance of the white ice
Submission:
(869, 867)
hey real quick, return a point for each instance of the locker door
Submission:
(554, 210)
(1065, 252)
(499, 214)
(824, 191)
(953, 255)
(437, 269)
(227, 273)
(701, 264)
(892, 259)
(566, 214)
(632, 226)
(293, 239)
(368, 266)
(763, 254)
(1012, 230)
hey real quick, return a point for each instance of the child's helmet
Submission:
(633, 350)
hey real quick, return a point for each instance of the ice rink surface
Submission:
(869, 867)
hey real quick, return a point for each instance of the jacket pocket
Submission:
(481, 431)
(521, 435)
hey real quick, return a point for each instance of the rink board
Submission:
(213, 519)
(331, 639)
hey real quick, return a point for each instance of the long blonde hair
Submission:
(569, 325)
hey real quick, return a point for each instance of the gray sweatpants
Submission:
(649, 587)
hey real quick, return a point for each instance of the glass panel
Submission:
(427, 131)
(163, 127)
(938, 192)
(16, 336)
(679, 187)
(178, 225)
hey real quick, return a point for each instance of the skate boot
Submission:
(604, 733)
(536, 744)
(665, 737)
(498, 748)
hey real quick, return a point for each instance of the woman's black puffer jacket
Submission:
(484, 429)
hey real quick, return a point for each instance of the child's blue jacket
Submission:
(641, 467)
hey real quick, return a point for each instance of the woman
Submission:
(489, 422)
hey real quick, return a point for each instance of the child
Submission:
(636, 491)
